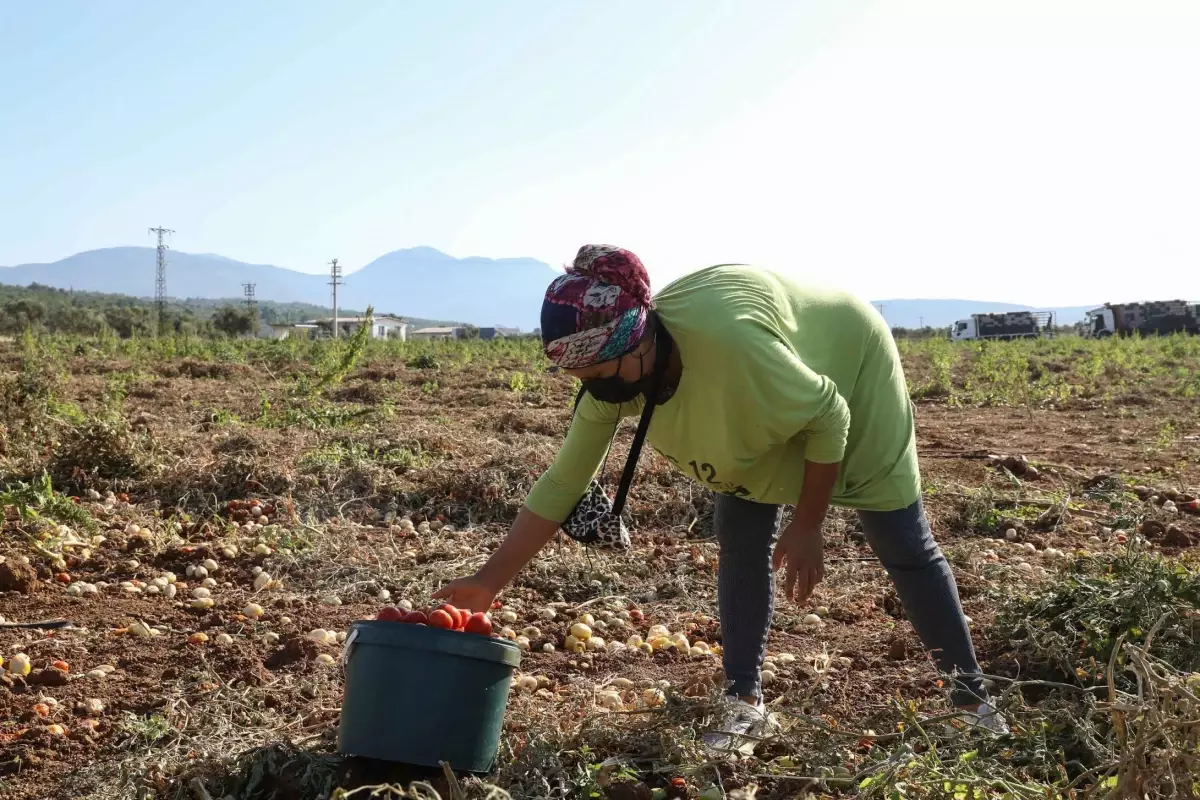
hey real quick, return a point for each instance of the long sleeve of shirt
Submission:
(579, 460)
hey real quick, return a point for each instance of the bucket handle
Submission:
(346, 647)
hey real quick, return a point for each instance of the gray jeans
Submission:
(905, 547)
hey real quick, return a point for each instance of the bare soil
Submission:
(465, 453)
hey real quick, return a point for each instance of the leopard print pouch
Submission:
(592, 521)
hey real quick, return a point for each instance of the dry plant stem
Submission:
(1118, 716)
(456, 792)
(604, 599)
(1018, 683)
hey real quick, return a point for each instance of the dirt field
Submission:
(1061, 478)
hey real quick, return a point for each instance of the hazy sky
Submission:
(1042, 152)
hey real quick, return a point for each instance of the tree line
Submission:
(45, 309)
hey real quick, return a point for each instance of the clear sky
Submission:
(1033, 151)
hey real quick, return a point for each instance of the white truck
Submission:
(1160, 317)
(1004, 325)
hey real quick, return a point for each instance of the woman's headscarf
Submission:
(597, 311)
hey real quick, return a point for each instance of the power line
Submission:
(335, 280)
(160, 279)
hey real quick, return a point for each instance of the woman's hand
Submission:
(801, 544)
(471, 592)
(528, 535)
(802, 547)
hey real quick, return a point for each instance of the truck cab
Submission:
(1003, 326)
(964, 330)
(1099, 323)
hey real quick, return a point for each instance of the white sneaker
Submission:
(987, 718)
(740, 729)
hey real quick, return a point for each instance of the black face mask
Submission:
(615, 390)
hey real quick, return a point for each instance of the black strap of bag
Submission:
(661, 359)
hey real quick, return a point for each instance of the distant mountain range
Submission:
(420, 281)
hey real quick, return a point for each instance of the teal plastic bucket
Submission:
(421, 695)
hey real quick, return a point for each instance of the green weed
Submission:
(1037, 372)
(349, 357)
(222, 416)
(424, 361)
(37, 501)
(357, 454)
(320, 415)
(145, 730)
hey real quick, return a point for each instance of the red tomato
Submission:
(390, 614)
(441, 619)
(636, 615)
(416, 618)
(455, 614)
(63, 577)
(479, 623)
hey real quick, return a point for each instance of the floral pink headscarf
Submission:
(597, 311)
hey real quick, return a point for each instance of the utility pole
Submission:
(160, 279)
(922, 322)
(880, 306)
(251, 306)
(335, 280)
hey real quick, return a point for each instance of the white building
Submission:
(382, 327)
(436, 334)
(295, 330)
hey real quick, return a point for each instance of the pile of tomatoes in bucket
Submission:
(444, 616)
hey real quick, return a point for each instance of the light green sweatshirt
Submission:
(774, 373)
